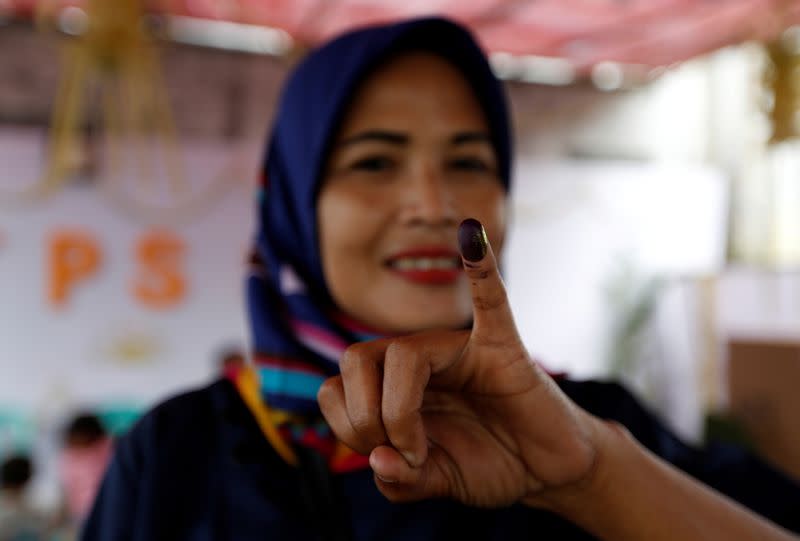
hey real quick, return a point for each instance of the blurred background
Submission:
(656, 210)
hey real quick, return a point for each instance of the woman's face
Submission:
(411, 160)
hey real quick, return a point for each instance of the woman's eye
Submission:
(374, 163)
(470, 164)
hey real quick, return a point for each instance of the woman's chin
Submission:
(410, 321)
(407, 308)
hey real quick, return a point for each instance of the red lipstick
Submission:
(428, 265)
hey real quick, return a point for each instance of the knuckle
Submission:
(351, 358)
(405, 350)
(398, 349)
(409, 353)
(327, 393)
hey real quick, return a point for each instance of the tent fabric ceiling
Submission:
(584, 32)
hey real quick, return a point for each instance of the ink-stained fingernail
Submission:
(472, 240)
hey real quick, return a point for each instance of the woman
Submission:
(376, 302)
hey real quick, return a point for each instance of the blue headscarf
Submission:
(297, 334)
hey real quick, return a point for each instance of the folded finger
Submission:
(361, 371)
(409, 365)
(331, 398)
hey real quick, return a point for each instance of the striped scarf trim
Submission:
(285, 428)
(282, 395)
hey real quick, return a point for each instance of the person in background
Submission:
(390, 395)
(19, 521)
(230, 360)
(86, 451)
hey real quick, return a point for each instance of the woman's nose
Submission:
(429, 199)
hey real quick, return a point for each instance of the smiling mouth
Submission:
(425, 263)
(428, 269)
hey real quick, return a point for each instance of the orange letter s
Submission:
(160, 282)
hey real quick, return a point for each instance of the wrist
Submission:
(608, 438)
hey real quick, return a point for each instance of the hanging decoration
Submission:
(766, 226)
(783, 86)
(112, 123)
(110, 83)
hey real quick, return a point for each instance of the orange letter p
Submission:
(74, 256)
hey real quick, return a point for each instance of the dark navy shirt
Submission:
(198, 468)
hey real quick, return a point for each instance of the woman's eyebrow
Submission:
(399, 138)
(470, 137)
(382, 136)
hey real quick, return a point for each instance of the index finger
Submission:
(493, 319)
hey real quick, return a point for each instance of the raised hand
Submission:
(461, 414)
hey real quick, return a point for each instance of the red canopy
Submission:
(585, 32)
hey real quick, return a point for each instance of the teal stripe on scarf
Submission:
(284, 382)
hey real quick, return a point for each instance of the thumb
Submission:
(399, 482)
(493, 319)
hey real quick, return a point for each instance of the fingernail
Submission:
(472, 240)
(385, 480)
(411, 458)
